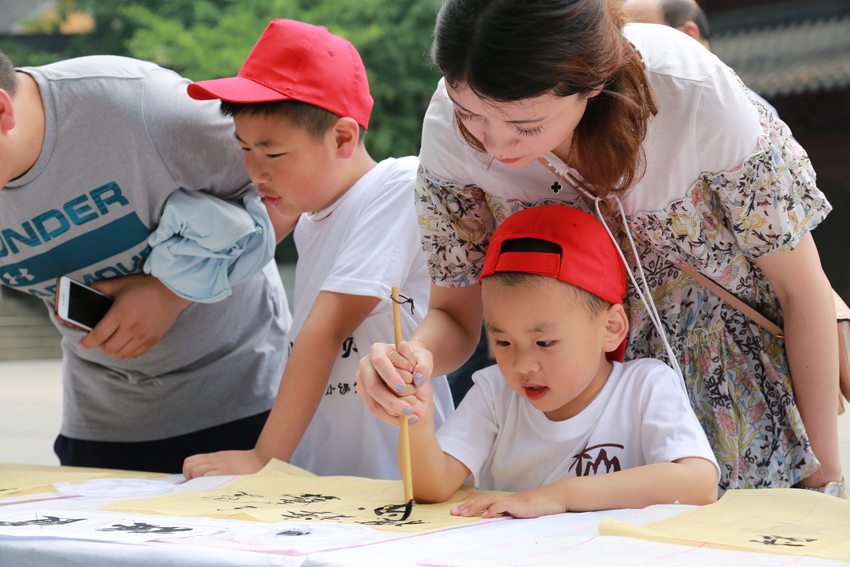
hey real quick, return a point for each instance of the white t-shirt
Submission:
(363, 244)
(641, 416)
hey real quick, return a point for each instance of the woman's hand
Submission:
(390, 380)
(395, 382)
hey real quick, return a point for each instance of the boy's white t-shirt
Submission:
(363, 244)
(641, 416)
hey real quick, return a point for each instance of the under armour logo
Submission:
(15, 280)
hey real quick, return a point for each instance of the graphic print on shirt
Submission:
(36, 274)
(348, 347)
(598, 459)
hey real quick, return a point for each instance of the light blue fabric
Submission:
(204, 245)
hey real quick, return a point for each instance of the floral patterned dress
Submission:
(735, 372)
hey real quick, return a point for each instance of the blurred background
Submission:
(794, 53)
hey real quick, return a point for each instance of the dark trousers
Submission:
(164, 455)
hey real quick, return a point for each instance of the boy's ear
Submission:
(345, 133)
(616, 327)
(7, 112)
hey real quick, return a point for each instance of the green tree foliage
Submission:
(207, 39)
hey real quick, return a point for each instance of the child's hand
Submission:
(527, 504)
(222, 463)
(394, 382)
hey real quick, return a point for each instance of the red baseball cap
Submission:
(297, 61)
(588, 258)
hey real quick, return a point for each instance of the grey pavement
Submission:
(30, 410)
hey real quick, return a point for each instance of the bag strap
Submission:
(727, 296)
(842, 312)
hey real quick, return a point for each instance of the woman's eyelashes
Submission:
(521, 131)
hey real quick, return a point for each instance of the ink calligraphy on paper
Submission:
(101, 526)
(785, 521)
(281, 492)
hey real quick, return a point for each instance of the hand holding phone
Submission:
(143, 311)
(78, 305)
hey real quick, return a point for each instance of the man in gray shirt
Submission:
(90, 149)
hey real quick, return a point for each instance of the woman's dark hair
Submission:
(8, 78)
(509, 50)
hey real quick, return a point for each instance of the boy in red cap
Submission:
(560, 420)
(301, 107)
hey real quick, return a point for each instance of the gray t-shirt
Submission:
(120, 136)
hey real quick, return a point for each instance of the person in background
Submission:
(685, 16)
(301, 105)
(90, 151)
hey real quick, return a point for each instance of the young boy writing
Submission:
(559, 420)
(301, 107)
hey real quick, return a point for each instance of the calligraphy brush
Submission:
(404, 432)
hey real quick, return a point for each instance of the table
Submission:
(510, 538)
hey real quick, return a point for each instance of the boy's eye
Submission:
(545, 344)
(273, 155)
(502, 343)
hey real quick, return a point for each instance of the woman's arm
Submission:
(805, 296)
(452, 328)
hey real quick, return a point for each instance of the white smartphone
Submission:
(79, 305)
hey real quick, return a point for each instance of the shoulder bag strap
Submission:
(727, 296)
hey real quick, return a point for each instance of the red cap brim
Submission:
(233, 89)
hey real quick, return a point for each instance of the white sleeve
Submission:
(454, 217)
(470, 432)
(384, 242)
(726, 124)
(669, 427)
(444, 153)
